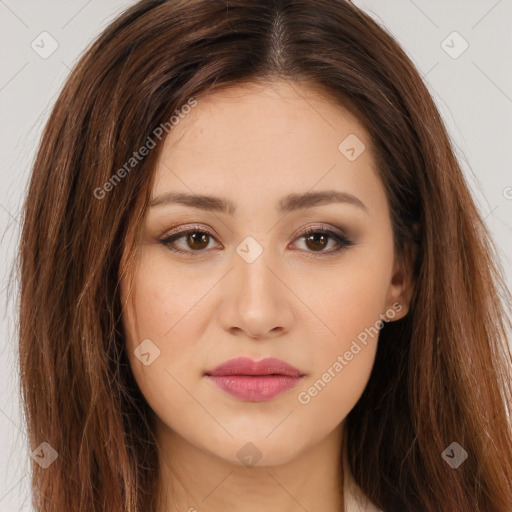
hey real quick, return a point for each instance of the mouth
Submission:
(255, 381)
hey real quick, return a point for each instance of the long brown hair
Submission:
(442, 374)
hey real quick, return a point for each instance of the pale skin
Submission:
(298, 301)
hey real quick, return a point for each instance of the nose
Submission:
(256, 301)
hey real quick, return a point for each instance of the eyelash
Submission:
(342, 240)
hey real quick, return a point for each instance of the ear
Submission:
(401, 286)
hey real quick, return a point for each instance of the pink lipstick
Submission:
(255, 381)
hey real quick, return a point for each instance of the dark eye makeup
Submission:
(198, 235)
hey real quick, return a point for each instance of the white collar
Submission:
(355, 499)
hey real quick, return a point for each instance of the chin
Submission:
(244, 452)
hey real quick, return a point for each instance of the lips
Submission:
(255, 381)
(246, 366)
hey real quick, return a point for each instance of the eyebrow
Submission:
(287, 204)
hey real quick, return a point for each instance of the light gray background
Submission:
(472, 91)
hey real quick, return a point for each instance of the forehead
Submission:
(263, 138)
(262, 112)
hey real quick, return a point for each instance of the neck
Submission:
(192, 479)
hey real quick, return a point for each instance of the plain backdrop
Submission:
(462, 48)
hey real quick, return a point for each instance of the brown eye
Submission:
(197, 241)
(317, 241)
(194, 241)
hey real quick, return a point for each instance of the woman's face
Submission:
(250, 283)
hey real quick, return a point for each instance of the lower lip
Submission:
(255, 388)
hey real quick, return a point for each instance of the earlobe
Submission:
(402, 283)
(398, 304)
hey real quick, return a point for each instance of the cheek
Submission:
(165, 298)
(348, 299)
(350, 305)
(161, 322)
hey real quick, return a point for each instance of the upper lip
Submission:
(247, 366)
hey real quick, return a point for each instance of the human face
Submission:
(250, 283)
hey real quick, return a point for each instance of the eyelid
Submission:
(342, 239)
(189, 227)
(181, 231)
(201, 227)
(329, 228)
(337, 234)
